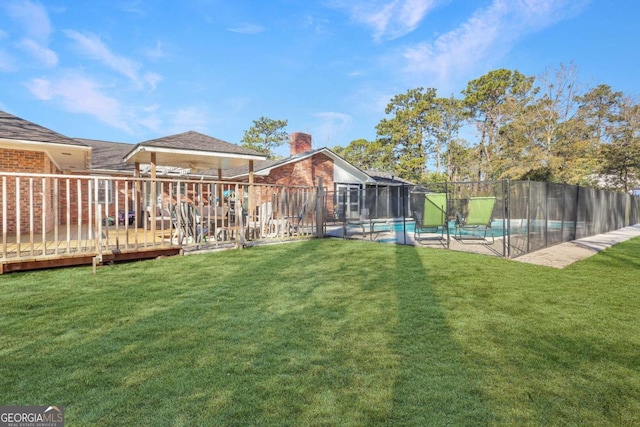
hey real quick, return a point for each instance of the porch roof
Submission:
(192, 150)
(66, 153)
(265, 168)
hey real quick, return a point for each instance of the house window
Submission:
(105, 191)
(348, 201)
(161, 189)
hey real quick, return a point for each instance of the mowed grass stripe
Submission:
(327, 332)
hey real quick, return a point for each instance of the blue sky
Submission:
(133, 70)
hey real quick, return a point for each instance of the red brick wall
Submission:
(299, 143)
(304, 172)
(26, 161)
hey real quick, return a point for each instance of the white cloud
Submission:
(35, 20)
(133, 6)
(42, 53)
(153, 79)
(33, 16)
(246, 28)
(389, 19)
(94, 48)
(7, 62)
(319, 26)
(190, 118)
(330, 128)
(489, 34)
(156, 52)
(80, 94)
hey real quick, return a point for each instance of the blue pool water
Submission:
(399, 226)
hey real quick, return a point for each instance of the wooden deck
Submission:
(77, 245)
(91, 219)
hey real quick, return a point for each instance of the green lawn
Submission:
(328, 332)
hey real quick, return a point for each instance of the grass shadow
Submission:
(433, 386)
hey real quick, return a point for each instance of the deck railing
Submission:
(53, 216)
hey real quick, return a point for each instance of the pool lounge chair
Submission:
(479, 217)
(372, 226)
(432, 219)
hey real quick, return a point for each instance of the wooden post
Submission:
(320, 209)
(153, 202)
(220, 190)
(251, 206)
(240, 241)
(137, 205)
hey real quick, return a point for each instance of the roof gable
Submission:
(192, 140)
(15, 128)
(107, 155)
(192, 150)
(264, 168)
(20, 134)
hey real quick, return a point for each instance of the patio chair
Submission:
(161, 216)
(260, 225)
(188, 225)
(432, 219)
(372, 226)
(362, 221)
(300, 226)
(479, 217)
(216, 217)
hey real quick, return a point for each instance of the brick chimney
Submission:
(300, 143)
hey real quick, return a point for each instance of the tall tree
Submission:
(450, 119)
(599, 107)
(621, 157)
(368, 155)
(265, 135)
(460, 165)
(542, 138)
(491, 101)
(410, 131)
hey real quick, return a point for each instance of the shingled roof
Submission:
(107, 155)
(192, 140)
(12, 127)
(264, 168)
(194, 151)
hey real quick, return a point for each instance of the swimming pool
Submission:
(496, 229)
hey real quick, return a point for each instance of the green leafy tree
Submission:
(599, 108)
(491, 101)
(265, 135)
(460, 161)
(450, 118)
(580, 149)
(409, 132)
(368, 155)
(621, 157)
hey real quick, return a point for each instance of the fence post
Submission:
(528, 216)
(576, 214)
(547, 186)
(320, 209)
(627, 210)
(506, 228)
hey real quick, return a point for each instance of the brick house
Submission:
(26, 147)
(344, 182)
(30, 148)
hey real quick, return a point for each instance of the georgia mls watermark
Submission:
(31, 416)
